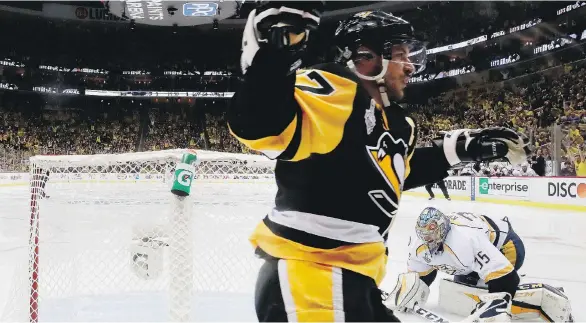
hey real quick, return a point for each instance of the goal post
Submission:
(109, 241)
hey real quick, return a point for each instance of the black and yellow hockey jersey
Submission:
(342, 163)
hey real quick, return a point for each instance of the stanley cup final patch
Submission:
(369, 118)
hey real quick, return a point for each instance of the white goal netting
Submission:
(110, 242)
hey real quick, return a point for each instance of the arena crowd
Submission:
(530, 96)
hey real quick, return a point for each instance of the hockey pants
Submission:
(293, 290)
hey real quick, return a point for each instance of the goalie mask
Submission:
(432, 227)
(380, 33)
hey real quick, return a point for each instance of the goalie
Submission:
(484, 255)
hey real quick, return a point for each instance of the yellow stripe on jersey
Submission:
(499, 273)
(421, 249)
(315, 291)
(368, 259)
(427, 272)
(323, 116)
(273, 144)
(491, 230)
(510, 252)
(385, 120)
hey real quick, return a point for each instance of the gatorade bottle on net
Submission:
(184, 174)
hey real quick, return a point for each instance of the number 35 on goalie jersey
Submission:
(342, 164)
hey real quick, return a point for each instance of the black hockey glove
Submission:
(280, 26)
(473, 145)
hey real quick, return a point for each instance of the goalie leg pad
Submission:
(459, 298)
(531, 301)
(409, 291)
(542, 301)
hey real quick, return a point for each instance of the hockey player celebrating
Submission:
(481, 252)
(345, 152)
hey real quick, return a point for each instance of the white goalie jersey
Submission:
(472, 245)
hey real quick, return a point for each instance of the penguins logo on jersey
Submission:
(388, 156)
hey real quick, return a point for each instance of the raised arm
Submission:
(265, 114)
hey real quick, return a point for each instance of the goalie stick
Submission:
(428, 315)
(421, 312)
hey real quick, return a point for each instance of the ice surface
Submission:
(555, 244)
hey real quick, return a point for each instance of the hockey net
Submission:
(110, 242)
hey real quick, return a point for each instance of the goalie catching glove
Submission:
(473, 145)
(282, 27)
(493, 307)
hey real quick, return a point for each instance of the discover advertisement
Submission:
(563, 190)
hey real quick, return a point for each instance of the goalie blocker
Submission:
(531, 301)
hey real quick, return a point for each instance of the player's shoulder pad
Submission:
(335, 74)
(329, 83)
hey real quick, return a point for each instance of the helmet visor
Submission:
(410, 51)
(431, 235)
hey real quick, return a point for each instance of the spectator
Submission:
(536, 94)
(538, 163)
(580, 165)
